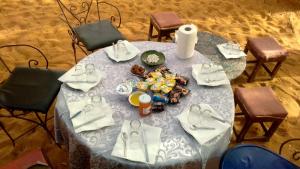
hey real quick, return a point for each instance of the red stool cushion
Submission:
(266, 49)
(27, 160)
(166, 19)
(260, 102)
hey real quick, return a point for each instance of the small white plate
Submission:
(124, 89)
(127, 54)
(81, 85)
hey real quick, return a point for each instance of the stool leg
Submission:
(246, 49)
(244, 131)
(150, 30)
(276, 68)
(235, 100)
(272, 129)
(255, 70)
(159, 36)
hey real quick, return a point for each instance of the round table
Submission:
(207, 45)
(177, 149)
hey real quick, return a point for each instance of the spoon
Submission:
(218, 119)
(124, 138)
(209, 113)
(195, 127)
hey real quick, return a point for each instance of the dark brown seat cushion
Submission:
(30, 89)
(98, 35)
(266, 49)
(260, 102)
(166, 19)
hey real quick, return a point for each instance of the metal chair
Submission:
(28, 90)
(295, 152)
(88, 35)
(247, 156)
(6, 132)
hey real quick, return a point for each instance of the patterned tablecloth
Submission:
(92, 149)
(207, 45)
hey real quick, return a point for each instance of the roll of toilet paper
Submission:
(186, 38)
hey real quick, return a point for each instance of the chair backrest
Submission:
(291, 148)
(247, 156)
(77, 13)
(31, 62)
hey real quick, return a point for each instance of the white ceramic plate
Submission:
(126, 54)
(82, 85)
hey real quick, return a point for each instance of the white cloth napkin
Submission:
(137, 153)
(118, 53)
(208, 68)
(76, 102)
(209, 74)
(229, 54)
(99, 116)
(204, 135)
(80, 80)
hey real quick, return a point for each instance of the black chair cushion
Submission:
(98, 35)
(30, 89)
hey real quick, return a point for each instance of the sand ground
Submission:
(37, 23)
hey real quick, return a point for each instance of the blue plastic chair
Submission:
(247, 156)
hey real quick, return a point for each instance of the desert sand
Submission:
(37, 23)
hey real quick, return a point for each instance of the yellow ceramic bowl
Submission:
(134, 98)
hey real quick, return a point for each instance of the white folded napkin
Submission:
(204, 135)
(76, 102)
(122, 51)
(137, 153)
(98, 117)
(208, 68)
(80, 80)
(230, 53)
(212, 75)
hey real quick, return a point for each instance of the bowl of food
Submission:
(153, 58)
(134, 98)
(124, 89)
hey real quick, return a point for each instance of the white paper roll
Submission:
(186, 38)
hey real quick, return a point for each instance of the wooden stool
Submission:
(258, 105)
(265, 49)
(165, 23)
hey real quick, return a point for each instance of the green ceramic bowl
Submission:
(153, 58)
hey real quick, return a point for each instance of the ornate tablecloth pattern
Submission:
(92, 149)
(207, 45)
